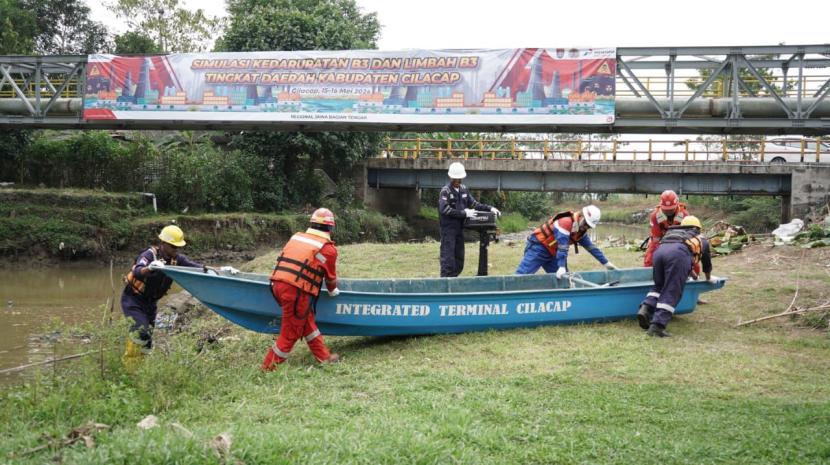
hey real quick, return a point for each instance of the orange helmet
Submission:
(323, 216)
(669, 201)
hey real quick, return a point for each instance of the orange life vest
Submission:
(663, 219)
(301, 264)
(545, 232)
(139, 285)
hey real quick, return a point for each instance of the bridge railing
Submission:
(778, 150)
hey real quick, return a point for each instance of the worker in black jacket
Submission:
(455, 204)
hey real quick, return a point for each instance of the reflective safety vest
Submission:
(545, 232)
(687, 236)
(301, 264)
(146, 286)
(663, 219)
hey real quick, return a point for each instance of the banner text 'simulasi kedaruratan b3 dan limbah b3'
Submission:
(524, 86)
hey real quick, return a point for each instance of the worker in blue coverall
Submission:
(547, 247)
(681, 248)
(145, 285)
(455, 204)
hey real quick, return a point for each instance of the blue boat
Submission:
(392, 307)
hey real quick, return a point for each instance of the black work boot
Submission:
(656, 330)
(644, 315)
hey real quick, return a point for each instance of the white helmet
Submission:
(591, 214)
(456, 171)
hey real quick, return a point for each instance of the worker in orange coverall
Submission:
(306, 260)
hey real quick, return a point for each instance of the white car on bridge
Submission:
(789, 149)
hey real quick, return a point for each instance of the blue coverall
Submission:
(537, 255)
(672, 266)
(451, 205)
(142, 308)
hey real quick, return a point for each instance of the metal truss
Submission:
(786, 105)
(737, 90)
(42, 87)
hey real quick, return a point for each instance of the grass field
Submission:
(600, 393)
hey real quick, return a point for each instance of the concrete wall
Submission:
(810, 190)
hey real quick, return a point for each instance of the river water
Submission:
(31, 298)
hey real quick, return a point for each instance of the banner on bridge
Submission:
(527, 86)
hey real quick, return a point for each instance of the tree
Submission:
(65, 28)
(290, 158)
(298, 25)
(18, 28)
(133, 42)
(173, 28)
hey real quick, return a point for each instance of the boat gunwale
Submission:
(453, 293)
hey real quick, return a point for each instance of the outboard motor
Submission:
(485, 224)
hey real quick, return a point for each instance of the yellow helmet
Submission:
(691, 220)
(173, 235)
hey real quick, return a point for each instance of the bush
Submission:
(512, 222)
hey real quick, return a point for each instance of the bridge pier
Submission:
(810, 190)
(401, 201)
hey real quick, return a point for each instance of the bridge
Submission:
(392, 182)
(709, 90)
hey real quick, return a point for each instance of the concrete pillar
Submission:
(810, 190)
(403, 202)
(786, 209)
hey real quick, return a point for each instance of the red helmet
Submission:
(323, 216)
(669, 201)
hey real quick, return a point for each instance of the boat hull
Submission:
(437, 305)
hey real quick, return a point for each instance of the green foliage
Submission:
(205, 178)
(430, 213)
(18, 28)
(755, 214)
(512, 222)
(298, 25)
(355, 225)
(532, 205)
(132, 42)
(169, 26)
(287, 160)
(65, 28)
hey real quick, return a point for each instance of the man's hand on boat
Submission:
(156, 265)
(334, 292)
(470, 212)
(495, 211)
(611, 266)
(561, 272)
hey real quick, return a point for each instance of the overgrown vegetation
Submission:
(74, 224)
(593, 393)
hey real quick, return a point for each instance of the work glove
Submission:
(561, 272)
(470, 212)
(229, 269)
(495, 210)
(611, 266)
(156, 264)
(334, 292)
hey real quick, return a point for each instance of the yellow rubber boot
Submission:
(132, 356)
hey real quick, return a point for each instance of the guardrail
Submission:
(785, 150)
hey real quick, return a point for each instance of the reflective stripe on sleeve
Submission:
(308, 241)
(656, 295)
(278, 351)
(666, 307)
(313, 335)
(320, 257)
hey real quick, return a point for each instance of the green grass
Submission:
(597, 393)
